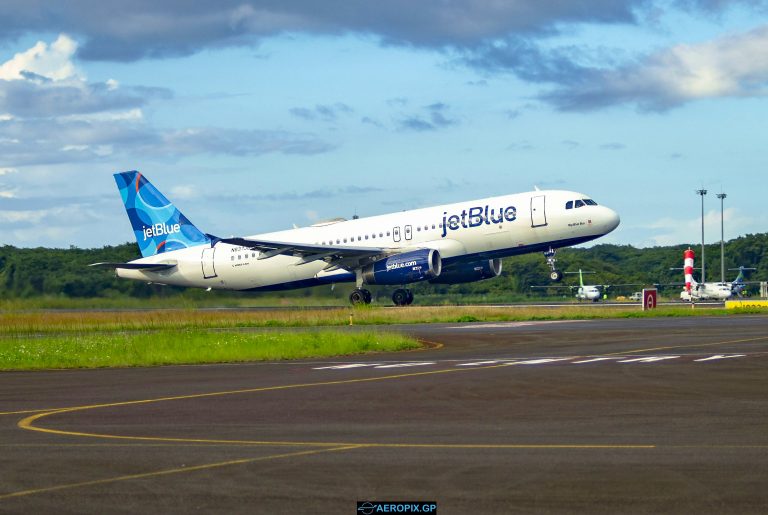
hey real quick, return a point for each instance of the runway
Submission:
(643, 415)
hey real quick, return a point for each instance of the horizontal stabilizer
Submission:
(148, 267)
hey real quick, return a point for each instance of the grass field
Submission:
(166, 347)
(91, 338)
(25, 323)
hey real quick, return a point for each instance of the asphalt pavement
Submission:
(609, 416)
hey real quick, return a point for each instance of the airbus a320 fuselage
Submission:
(448, 244)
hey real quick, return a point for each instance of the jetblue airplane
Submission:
(448, 244)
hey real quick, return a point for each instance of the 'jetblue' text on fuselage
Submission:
(476, 216)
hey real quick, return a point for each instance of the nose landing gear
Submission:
(555, 275)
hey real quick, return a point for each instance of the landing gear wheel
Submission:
(360, 296)
(555, 275)
(409, 300)
(400, 297)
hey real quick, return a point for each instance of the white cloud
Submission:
(673, 231)
(6, 171)
(183, 192)
(52, 61)
(730, 66)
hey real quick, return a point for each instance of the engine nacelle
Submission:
(408, 267)
(469, 272)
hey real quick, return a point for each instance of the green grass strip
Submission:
(188, 347)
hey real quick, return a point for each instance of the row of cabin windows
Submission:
(572, 204)
(345, 240)
(373, 236)
(240, 256)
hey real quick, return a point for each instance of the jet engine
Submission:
(408, 267)
(469, 272)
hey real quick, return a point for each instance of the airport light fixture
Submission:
(703, 268)
(722, 196)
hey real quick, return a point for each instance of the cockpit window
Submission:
(569, 204)
(579, 203)
(590, 202)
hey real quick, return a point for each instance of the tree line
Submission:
(32, 272)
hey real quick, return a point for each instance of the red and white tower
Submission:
(688, 256)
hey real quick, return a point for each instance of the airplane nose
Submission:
(612, 220)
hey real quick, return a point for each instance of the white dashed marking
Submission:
(402, 365)
(648, 359)
(504, 325)
(349, 365)
(566, 360)
(592, 360)
(721, 356)
(538, 361)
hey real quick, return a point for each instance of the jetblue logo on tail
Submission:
(157, 224)
(160, 230)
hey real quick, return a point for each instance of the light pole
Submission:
(722, 196)
(703, 268)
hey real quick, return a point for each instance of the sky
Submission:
(253, 116)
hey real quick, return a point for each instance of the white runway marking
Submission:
(349, 365)
(592, 360)
(563, 360)
(401, 365)
(505, 325)
(721, 356)
(648, 359)
(538, 361)
(478, 363)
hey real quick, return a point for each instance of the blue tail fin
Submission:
(159, 227)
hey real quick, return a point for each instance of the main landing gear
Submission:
(360, 296)
(555, 275)
(402, 297)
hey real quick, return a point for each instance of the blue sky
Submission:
(256, 115)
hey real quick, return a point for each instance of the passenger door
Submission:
(209, 269)
(538, 213)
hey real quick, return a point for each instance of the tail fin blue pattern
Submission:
(157, 224)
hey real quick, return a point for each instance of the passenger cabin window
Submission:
(569, 204)
(579, 203)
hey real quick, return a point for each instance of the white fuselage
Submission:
(708, 291)
(588, 293)
(466, 231)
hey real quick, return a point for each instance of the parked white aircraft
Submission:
(694, 291)
(454, 243)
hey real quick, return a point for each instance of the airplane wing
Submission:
(335, 255)
(555, 287)
(149, 267)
